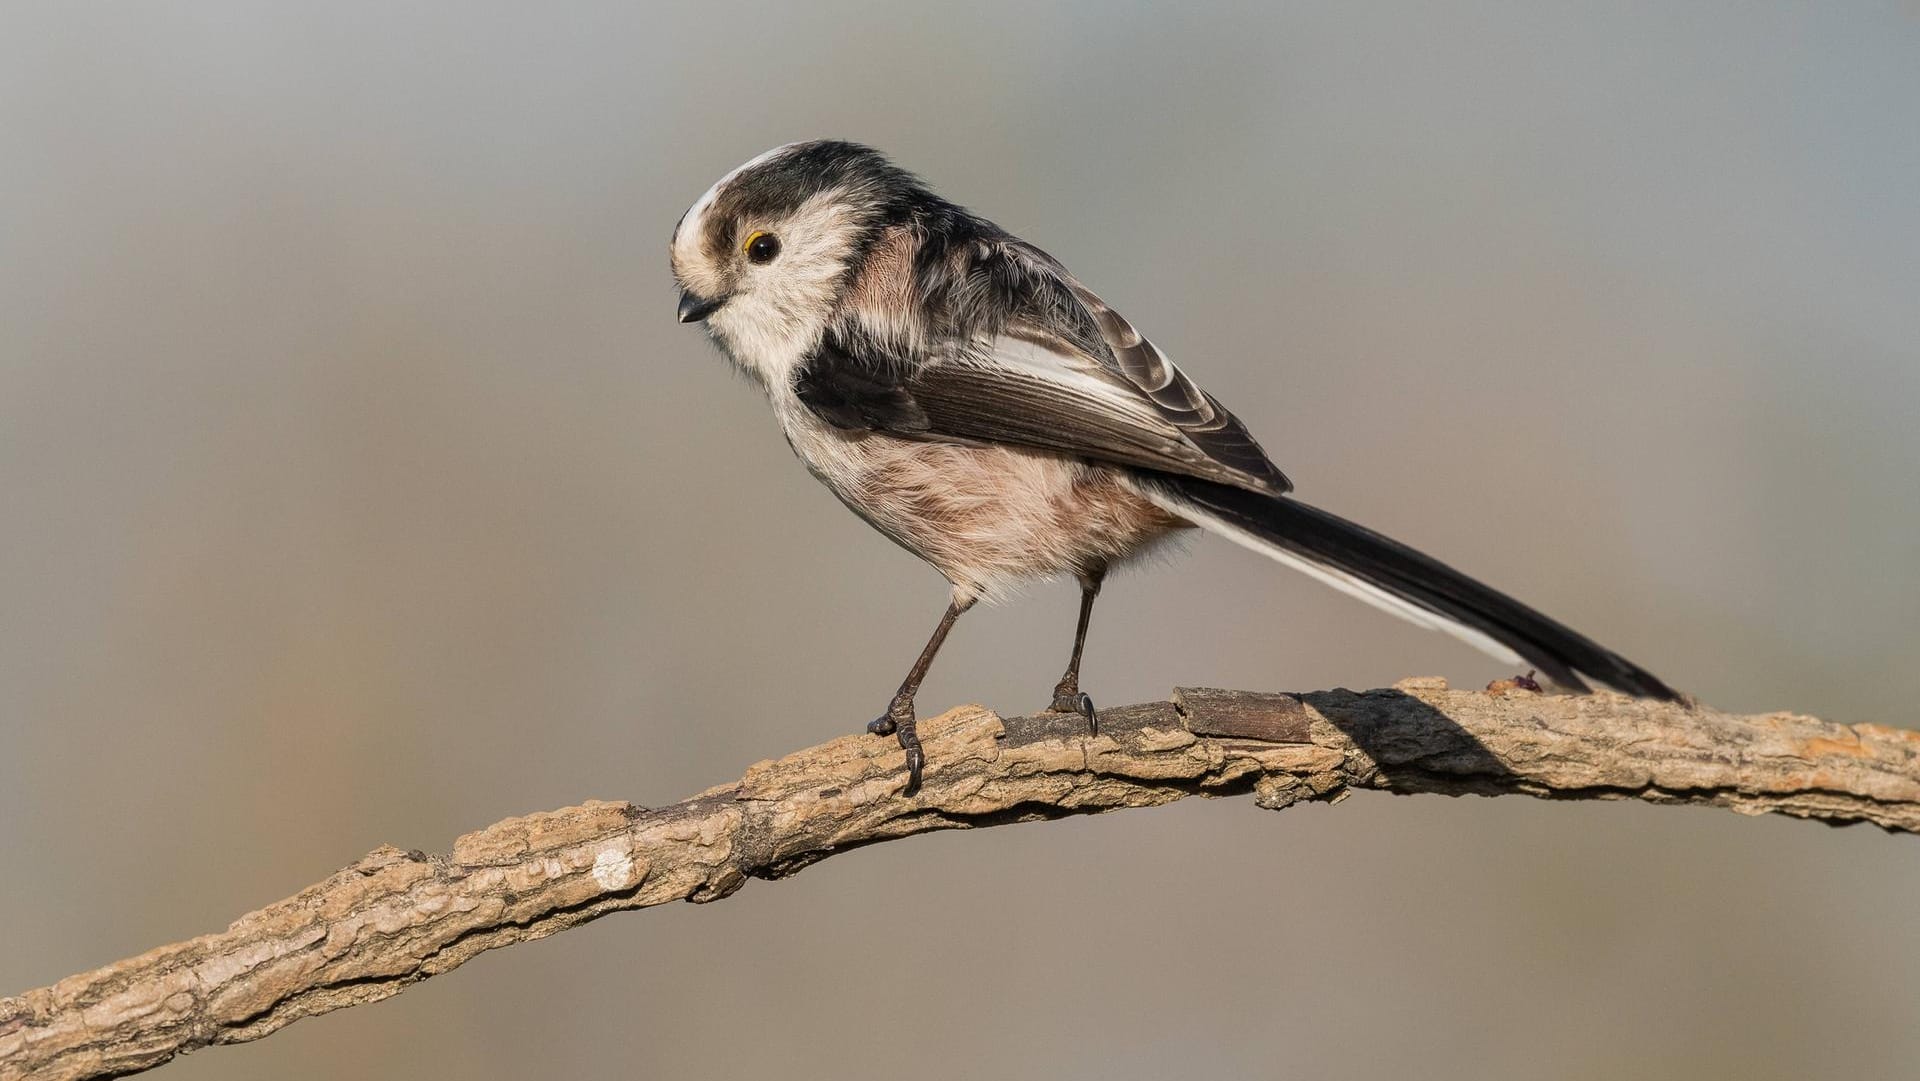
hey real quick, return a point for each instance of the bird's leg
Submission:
(899, 718)
(1067, 695)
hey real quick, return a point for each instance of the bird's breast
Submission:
(986, 516)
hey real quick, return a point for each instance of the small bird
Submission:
(957, 388)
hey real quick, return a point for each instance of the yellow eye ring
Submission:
(761, 246)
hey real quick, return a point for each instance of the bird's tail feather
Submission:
(1392, 576)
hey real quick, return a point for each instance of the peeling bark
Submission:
(393, 917)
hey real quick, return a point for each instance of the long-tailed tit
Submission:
(957, 388)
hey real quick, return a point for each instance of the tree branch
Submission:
(394, 918)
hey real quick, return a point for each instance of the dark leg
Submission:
(899, 715)
(1067, 695)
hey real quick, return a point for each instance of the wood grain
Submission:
(396, 917)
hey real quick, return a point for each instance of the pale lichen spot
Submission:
(613, 869)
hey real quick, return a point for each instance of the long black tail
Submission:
(1391, 575)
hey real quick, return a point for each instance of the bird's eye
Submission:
(761, 247)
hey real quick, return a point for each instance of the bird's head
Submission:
(765, 255)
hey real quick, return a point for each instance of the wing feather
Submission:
(1059, 370)
(1200, 417)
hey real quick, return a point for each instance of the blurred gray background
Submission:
(361, 488)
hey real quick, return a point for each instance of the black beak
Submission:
(694, 308)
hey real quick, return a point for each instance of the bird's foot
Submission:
(899, 721)
(1073, 700)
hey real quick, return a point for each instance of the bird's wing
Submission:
(1066, 373)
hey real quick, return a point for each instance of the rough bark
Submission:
(396, 917)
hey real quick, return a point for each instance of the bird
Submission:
(974, 402)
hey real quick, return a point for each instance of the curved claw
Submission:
(898, 720)
(916, 761)
(1077, 702)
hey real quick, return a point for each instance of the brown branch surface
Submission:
(394, 917)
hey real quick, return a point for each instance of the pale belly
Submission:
(986, 517)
